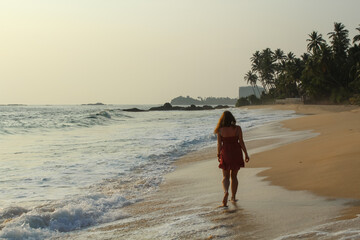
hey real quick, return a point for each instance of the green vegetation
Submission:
(249, 100)
(327, 73)
(242, 102)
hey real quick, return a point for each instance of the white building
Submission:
(247, 91)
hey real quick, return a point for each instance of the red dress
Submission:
(231, 156)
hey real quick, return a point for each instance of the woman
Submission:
(230, 148)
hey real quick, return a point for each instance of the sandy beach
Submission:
(302, 180)
(326, 165)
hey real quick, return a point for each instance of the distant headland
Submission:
(203, 101)
(13, 105)
(92, 104)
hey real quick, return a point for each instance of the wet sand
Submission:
(294, 184)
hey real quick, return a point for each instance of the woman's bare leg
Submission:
(234, 184)
(226, 183)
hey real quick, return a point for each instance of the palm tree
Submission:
(255, 61)
(340, 41)
(305, 57)
(251, 79)
(340, 45)
(279, 55)
(257, 66)
(357, 37)
(325, 72)
(290, 57)
(267, 68)
(315, 42)
(354, 69)
(279, 58)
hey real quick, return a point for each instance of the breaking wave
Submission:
(42, 118)
(60, 217)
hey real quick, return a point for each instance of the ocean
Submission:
(65, 169)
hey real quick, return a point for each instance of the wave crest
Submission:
(76, 214)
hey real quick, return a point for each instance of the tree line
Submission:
(326, 73)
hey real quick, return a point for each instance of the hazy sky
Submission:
(148, 51)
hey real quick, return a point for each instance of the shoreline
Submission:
(189, 198)
(185, 206)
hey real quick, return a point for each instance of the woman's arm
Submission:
(242, 144)
(219, 145)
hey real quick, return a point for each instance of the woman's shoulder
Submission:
(238, 129)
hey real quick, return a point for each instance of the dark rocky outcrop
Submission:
(169, 107)
(134, 110)
(221, 106)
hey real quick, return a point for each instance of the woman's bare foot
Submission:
(225, 199)
(233, 200)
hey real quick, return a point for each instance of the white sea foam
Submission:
(64, 216)
(190, 225)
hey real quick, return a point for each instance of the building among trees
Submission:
(248, 91)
